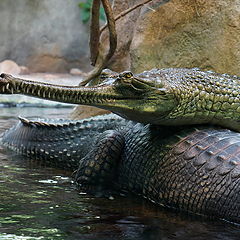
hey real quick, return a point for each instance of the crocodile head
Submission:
(136, 97)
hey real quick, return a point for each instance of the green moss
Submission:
(86, 11)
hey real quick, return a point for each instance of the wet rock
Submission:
(10, 67)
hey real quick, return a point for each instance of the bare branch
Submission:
(123, 13)
(94, 32)
(98, 61)
(102, 61)
(111, 28)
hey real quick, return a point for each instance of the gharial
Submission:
(160, 96)
(192, 169)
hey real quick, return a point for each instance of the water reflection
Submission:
(42, 203)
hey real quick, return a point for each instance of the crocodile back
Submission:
(195, 170)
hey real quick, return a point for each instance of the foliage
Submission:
(86, 11)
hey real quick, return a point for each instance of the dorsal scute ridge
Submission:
(65, 123)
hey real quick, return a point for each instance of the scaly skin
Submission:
(60, 143)
(160, 96)
(193, 170)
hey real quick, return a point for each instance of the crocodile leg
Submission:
(97, 170)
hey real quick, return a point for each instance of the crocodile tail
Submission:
(59, 142)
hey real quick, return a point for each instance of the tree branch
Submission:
(123, 13)
(97, 59)
(94, 31)
(112, 30)
(102, 61)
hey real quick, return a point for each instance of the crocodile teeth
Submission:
(26, 90)
(7, 86)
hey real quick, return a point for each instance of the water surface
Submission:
(42, 203)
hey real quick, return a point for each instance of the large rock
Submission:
(183, 33)
(45, 35)
(179, 33)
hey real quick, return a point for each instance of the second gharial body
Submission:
(192, 170)
(195, 170)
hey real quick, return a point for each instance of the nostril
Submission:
(3, 78)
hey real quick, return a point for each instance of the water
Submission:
(42, 203)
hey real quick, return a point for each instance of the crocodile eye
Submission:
(124, 77)
(127, 74)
